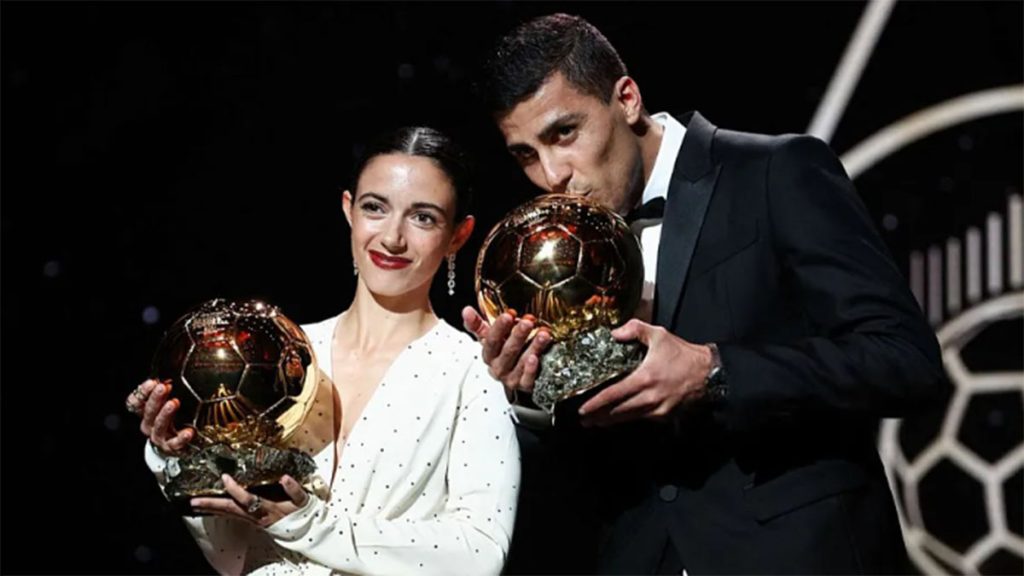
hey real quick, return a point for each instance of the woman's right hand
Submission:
(150, 400)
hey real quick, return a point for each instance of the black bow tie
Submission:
(651, 210)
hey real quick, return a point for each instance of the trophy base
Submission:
(581, 363)
(256, 467)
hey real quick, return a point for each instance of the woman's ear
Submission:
(462, 233)
(346, 206)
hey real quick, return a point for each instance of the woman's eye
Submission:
(372, 207)
(424, 218)
(566, 131)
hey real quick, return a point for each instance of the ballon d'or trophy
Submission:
(577, 268)
(245, 377)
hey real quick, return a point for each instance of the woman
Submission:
(411, 436)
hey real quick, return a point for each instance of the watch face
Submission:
(717, 388)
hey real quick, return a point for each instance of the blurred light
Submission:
(890, 222)
(946, 184)
(51, 269)
(143, 554)
(406, 71)
(112, 422)
(965, 142)
(150, 315)
(442, 63)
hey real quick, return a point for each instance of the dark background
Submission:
(155, 155)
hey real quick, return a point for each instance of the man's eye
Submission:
(526, 157)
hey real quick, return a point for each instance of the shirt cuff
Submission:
(296, 524)
(156, 461)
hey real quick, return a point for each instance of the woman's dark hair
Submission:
(525, 57)
(427, 143)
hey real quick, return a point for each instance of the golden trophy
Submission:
(245, 376)
(577, 268)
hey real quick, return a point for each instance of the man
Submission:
(780, 329)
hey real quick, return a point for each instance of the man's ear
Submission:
(627, 95)
(346, 206)
(462, 232)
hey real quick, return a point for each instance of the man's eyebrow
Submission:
(519, 149)
(549, 130)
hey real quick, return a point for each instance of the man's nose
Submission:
(556, 174)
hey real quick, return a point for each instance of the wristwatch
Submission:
(715, 385)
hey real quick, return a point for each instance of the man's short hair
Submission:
(527, 56)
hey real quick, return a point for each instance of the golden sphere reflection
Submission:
(570, 262)
(242, 372)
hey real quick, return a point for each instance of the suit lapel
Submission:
(689, 192)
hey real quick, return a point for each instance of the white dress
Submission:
(427, 482)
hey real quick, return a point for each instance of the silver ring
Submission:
(138, 393)
(255, 505)
(130, 407)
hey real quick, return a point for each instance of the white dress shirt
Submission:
(427, 482)
(649, 231)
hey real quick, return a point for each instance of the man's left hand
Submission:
(672, 374)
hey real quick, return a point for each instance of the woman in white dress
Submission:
(411, 436)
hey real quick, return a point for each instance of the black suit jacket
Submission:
(767, 250)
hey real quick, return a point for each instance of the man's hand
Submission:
(503, 346)
(672, 374)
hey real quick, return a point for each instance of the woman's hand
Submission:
(150, 402)
(247, 506)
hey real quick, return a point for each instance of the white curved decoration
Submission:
(924, 122)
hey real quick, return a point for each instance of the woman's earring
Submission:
(451, 274)
(355, 268)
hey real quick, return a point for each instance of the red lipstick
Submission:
(386, 262)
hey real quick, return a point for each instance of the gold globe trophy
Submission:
(245, 376)
(575, 266)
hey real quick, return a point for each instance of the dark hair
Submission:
(524, 58)
(428, 143)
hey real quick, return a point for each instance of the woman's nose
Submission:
(393, 239)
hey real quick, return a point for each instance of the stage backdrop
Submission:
(156, 155)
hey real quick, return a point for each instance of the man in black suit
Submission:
(780, 329)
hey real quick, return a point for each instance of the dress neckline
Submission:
(372, 401)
